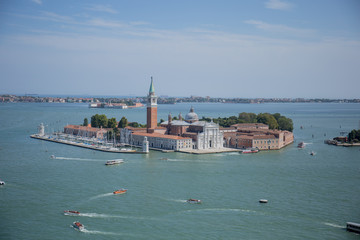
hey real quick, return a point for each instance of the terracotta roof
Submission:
(85, 128)
(158, 135)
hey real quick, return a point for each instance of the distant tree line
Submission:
(354, 136)
(274, 121)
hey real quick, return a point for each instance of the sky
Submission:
(216, 48)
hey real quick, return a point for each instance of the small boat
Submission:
(353, 227)
(71, 213)
(191, 200)
(251, 150)
(113, 162)
(2, 182)
(52, 157)
(301, 145)
(263, 201)
(312, 153)
(120, 191)
(78, 225)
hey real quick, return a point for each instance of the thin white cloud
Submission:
(55, 17)
(279, 28)
(98, 22)
(278, 5)
(102, 8)
(37, 1)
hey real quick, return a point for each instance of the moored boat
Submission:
(120, 191)
(113, 162)
(78, 226)
(353, 227)
(251, 150)
(71, 213)
(191, 200)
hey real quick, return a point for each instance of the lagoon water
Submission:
(310, 197)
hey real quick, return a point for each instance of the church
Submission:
(178, 135)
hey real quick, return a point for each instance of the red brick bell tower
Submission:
(151, 109)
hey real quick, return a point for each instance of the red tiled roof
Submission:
(158, 135)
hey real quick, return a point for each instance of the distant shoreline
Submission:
(6, 98)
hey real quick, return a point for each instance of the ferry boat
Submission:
(71, 213)
(120, 191)
(78, 225)
(353, 227)
(191, 200)
(301, 145)
(251, 150)
(113, 162)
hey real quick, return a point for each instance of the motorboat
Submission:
(2, 182)
(52, 157)
(251, 150)
(312, 153)
(120, 191)
(353, 227)
(263, 201)
(191, 200)
(71, 213)
(78, 225)
(114, 162)
(301, 145)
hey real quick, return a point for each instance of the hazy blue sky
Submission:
(223, 48)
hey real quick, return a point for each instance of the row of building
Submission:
(189, 133)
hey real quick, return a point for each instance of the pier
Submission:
(85, 145)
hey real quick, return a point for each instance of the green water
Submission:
(310, 197)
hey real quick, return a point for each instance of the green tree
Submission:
(134, 124)
(99, 120)
(285, 123)
(112, 123)
(123, 122)
(86, 122)
(354, 136)
(247, 117)
(267, 119)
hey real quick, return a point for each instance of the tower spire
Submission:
(152, 89)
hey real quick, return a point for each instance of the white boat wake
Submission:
(80, 159)
(102, 195)
(333, 225)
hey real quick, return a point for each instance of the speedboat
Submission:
(120, 191)
(71, 213)
(78, 225)
(263, 201)
(52, 156)
(312, 153)
(113, 162)
(191, 200)
(301, 145)
(2, 182)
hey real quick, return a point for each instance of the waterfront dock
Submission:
(85, 145)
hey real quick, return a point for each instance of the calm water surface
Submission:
(310, 197)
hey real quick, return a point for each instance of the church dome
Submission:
(191, 116)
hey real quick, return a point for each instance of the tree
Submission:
(99, 120)
(112, 123)
(267, 119)
(86, 122)
(134, 124)
(354, 136)
(123, 122)
(247, 117)
(285, 123)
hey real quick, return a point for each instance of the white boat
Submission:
(78, 225)
(251, 150)
(52, 157)
(2, 182)
(191, 200)
(353, 227)
(263, 201)
(113, 162)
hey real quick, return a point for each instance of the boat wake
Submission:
(99, 215)
(224, 210)
(100, 232)
(79, 159)
(333, 225)
(102, 195)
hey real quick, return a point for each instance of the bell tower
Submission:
(151, 109)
